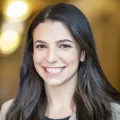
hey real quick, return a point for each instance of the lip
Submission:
(54, 67)
(53, 74)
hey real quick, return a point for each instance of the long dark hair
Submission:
(93, 93)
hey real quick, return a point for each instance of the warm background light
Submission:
(12, 25)
(17, 10)
(9, 42)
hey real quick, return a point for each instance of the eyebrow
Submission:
(58, 41)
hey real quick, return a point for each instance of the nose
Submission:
(52, 55)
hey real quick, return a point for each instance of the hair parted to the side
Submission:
(93, 92)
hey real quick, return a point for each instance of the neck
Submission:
(61, 96)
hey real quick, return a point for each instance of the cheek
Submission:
(70, 57)
(38, 57)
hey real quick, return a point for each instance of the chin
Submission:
(54, 83)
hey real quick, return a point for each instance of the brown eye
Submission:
(65, 46)
(40, 46)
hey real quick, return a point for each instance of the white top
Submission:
(115, 108)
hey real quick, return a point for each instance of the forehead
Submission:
(52, 30)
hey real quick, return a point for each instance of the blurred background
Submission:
(15, 17)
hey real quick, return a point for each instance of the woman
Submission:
(61, 77)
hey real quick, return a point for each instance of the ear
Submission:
(82, 56)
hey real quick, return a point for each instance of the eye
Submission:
(65, 46)
(40, 46)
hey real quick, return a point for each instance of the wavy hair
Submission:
(93, 93)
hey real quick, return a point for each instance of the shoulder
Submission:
(115, 111)
(5, 107)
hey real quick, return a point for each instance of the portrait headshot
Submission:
(61, 77)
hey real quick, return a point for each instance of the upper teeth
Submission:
(54, 70)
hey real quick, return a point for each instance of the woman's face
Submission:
(56, 54)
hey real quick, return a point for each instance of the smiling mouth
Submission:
(54, 70)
